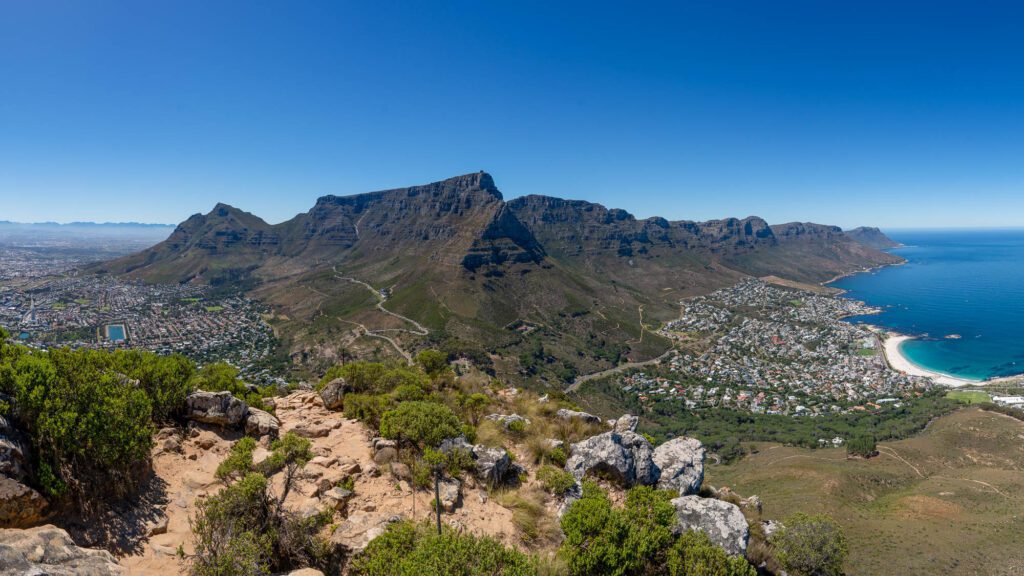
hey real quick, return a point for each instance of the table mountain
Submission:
(541, 286)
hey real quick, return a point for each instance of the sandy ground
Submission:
(901, 363)
(342, 448)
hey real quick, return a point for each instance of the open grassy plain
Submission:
(948, 501)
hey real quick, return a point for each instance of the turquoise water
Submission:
(968, 284)
(115, 333)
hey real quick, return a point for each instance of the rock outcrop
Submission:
(333, 393)
(20, 505)
(508, 421)
(723, 522)
(681, 465)
(625, 456)
(566, 414)
(259, 423)
(49, 551)
(625, 423)
(216, 408)
(492, 465)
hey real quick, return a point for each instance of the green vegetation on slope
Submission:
(945, 501)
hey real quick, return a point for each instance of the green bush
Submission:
(861, 445)
(367, 408)
(555, 480)
(90, 426)
(406, 549)
(420, 423)
(694, 553)
(376, 377)
(433, 362)
(637, 539)
(810, 545)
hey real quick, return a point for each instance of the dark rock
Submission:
(20, 505)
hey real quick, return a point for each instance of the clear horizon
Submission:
(860, 115)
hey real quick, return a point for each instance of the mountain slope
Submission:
(872, 237)
(544, 288)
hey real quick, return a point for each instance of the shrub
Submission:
(555, 480)
(637, 539)
(367, 408)
(375, 377)
(694, 553)
(811, 545)
(406, 549)
(420, 423)
(245, 529)
(433, 362)
(239, 460)
(89, 426)
(861, 446)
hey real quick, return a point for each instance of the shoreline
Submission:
(901, 363)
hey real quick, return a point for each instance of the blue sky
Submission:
(894, 114)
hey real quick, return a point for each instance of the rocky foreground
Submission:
(355, 475)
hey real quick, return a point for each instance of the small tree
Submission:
(811, 545)
(861, 446)
(433, 362)
(420, 423)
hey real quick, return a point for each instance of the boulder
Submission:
(385, 456)
(333, 393)
(507, 420)
(20, 505)
(492, 464)
(625, 456)
(259, 423)
(450, 492)
(48, 550)
(215, 408)
(681, 462)
(401, 471)
(355, 534)
(626, 423)
(723, 522)
(566, 414)
(305, 572)
(337, 498)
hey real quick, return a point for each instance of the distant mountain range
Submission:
(543, 286)
(85, 224)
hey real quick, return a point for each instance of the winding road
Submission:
(419, 330)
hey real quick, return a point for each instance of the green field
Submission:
(214, 308)
(867, 352)
(947, 501)
(969, 396)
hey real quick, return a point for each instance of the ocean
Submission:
(961, 293)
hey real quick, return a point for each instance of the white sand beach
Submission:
(901, 363)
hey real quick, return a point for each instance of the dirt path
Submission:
(342, 449)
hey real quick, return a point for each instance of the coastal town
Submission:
(45, 303)
(770, 350)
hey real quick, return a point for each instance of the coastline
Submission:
(897, 361)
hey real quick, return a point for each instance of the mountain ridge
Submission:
(457, 257)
